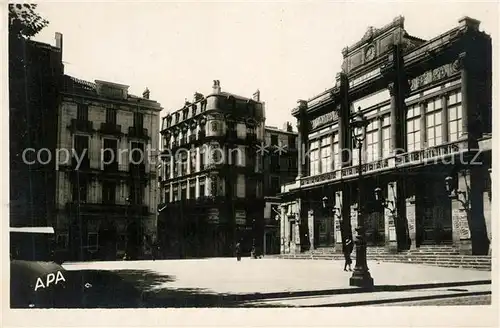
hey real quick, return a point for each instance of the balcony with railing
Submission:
(138, 132)
(110, 128)
(137, 169)
(251, 137)
(81, 126)
(121, 210)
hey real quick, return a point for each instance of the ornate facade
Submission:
(427, 145)
(211, 176)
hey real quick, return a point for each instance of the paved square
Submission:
(277, 282)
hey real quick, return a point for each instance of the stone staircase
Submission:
(443, 256)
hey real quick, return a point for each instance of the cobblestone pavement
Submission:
(224, 282)
(468, 300)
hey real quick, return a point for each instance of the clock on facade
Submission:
(370, 53)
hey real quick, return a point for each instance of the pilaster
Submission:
(283, 229)
(460, 207)
(338, 220)
(310, 225)
(410, 210)
(391, 241)
(462, 64)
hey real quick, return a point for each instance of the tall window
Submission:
(337, 161)
(92, 241)
(291, 142)
(202, 159)
(275, 185)
(183, 164)
(168, 168)
(314, 158)
(355, 149)
(80, 189)
(108, 192)
(82, 112)
(202, 187)
(175, 193)
(138, 120)
(413, 127)
(184, 191)
(433, 122)
(110, 151)
(372, 141)
(274, 140)
(136, 193)
(192, 161)
(386, 136)
(81, 147)
(455, 116)
(167, 194)
(192, 189)
(137, 150)
(110, 116)
(326, 154)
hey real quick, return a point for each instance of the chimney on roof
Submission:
(59, 40)
(197, 97)
(469, 22)
(289, 127)
(216, 87)
(256, 95)
(145, 94)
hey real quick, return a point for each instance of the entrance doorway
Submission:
(434, 222)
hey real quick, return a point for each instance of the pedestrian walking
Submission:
(238, 251)
(347, 248)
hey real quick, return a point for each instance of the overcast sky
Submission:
(288, 50)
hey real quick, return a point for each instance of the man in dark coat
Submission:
(238, 251)
(347, 248)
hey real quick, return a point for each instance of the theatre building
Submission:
(426, 153)
(211, 176)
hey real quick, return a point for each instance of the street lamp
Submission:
(361, 276)
(333, 209)
(388, 204)
(454, 193)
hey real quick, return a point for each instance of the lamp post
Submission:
(361, 276)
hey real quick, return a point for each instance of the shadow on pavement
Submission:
(141, 289)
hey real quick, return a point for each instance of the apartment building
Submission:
(106, 191)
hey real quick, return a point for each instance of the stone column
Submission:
(444, 119)
(465, 84)
(354, 218)
(460, 214)
(171, 193)
(423, 125)
(299, 155)
(410, 209)
(391, 242)
(310, 224)
(339, 216)
(394, 118)
(487, 208)
(283, 230)
(380, 149)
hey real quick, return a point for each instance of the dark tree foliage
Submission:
(24, 21)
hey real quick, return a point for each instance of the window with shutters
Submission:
(108, 192)
(82, 112)
(138, 120)
(110, 116)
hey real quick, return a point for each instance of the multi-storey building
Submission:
(280, 167)
(211, 176)
(427, 145)
(106, 187)
(35, 78)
